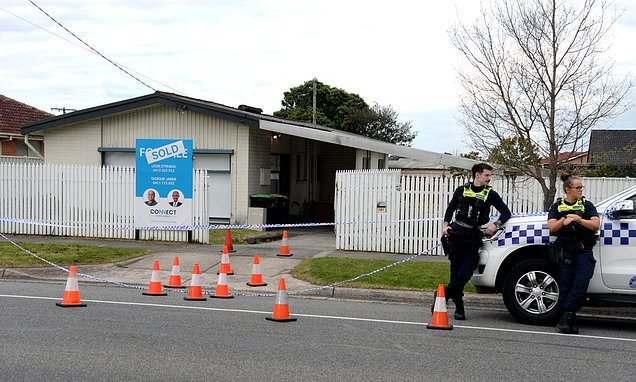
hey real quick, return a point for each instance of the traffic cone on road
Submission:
(284, 247)
(175, 275)
(222, 289)
(155, 288)
(256, 279)
(225, 266)
(281, 309)
(71, 292)
(195, 293)
(440, 315)
(228, 241)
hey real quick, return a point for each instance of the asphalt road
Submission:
(124, 336)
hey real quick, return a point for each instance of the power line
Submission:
(88, 50)
(91, 48)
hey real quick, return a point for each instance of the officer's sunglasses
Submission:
(579, 188)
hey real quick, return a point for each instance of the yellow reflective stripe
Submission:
(481, 195)
(578, 206)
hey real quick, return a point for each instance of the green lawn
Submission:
(63, 254)
(414, 275)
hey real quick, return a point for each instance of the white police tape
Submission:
(303, 291)
(244, 226)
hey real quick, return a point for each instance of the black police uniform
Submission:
(576, 261)
(471, 206)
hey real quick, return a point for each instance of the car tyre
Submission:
(531, 292)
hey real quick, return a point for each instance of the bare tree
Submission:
(537, 74)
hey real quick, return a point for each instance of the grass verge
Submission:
(413, 275)
(63, 254)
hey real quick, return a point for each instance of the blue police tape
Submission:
(244, 226)
(121, 284)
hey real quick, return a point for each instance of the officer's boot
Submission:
(574, 329)
(565, 324)
(460, 314)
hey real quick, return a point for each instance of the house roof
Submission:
(564, 157)
(613, 146)
(251, 119)
(14, 114)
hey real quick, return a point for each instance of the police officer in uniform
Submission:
(470, 205)
(574, 221)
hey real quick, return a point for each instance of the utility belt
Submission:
(467, 231)
(466, 226)
(573, 242)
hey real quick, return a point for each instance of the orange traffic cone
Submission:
(257, 275)
(228, 241)
(155, 288)
(440, 315)
(71, 292)
(225, 266)
(284, 248)
(281, 309)
(195, 293)
(175, 275)
(222, 289)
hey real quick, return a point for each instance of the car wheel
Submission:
(531, 293)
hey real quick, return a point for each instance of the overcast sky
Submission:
(249, 52)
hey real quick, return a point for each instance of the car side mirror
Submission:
(621, 209)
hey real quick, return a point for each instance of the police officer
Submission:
(574, 221)
(470, 205)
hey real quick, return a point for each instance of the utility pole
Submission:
(309, 149)
(313, 110)
(63, 109)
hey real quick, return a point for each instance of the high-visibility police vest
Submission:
(575, 232)
(577, 208)
(472, 209)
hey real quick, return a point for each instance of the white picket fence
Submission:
(83, 201)
(384, 211)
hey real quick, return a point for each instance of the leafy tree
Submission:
(515, 152)
(537, 77)
(345, 111)
(380, 122)
(613, 170)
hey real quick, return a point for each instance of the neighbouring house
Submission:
(572, 158)
(13, 144)
(612, 147)
(243, 151)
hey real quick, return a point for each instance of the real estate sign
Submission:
(163, 187)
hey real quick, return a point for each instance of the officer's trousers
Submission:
(576, 267)
(464, 258)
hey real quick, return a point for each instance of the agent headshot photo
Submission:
(150, 196)
(175, 199)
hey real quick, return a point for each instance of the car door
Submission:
(618, 245)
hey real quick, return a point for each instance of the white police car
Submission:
(516, 262)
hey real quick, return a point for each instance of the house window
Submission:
(301, 167)
(381, 163)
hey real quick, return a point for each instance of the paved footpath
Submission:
(304, 243)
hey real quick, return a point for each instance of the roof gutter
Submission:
(30, 146)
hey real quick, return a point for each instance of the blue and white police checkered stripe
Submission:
(619, 233)
(522, 234)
